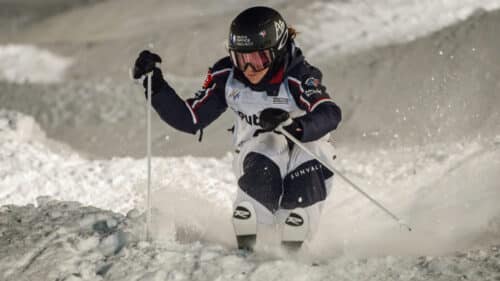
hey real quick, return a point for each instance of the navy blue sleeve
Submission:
(323, 115)
(324, 119)
(194, 113)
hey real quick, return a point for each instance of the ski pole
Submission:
(347, 180)
(148, 141)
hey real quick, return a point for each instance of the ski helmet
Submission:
(258, 37)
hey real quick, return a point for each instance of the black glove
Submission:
(145, 63)
(157, 81)
(271, 118)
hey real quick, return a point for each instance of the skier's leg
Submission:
(245, 225)
(294, 227)
(260, 188)
(306, 186)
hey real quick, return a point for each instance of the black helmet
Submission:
(258, 29)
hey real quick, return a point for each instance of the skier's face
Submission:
(254, 65)
(255, 76)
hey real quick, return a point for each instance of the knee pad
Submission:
(261, 180)
(305, 185)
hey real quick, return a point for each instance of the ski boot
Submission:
(245, 226)
(295, 230)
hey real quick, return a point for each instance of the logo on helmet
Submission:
(280, 28)
(241, 40)
(281, 32)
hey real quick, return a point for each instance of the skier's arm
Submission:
(192, 114)
(323, 114)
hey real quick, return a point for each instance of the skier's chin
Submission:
(255, 77)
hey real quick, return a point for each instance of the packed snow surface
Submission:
(67, 241)
(447, 192)
(30, 64)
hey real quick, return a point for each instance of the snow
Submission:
(430, 186)
(349, 26)
(80, 245)
(30, 64)
(65, 217)
(30, 169)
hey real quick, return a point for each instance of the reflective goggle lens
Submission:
(258, 60)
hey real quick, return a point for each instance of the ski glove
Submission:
(145, 63)
(157, 81)
(271, 118)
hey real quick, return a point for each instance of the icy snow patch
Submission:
(30, 64)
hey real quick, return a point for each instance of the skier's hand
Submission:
(145, 63)
(271, 118)
(157, 81)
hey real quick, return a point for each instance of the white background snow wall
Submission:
(28, 64)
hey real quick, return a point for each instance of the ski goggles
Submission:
(258, 60)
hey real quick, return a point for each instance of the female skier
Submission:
(268, 84)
